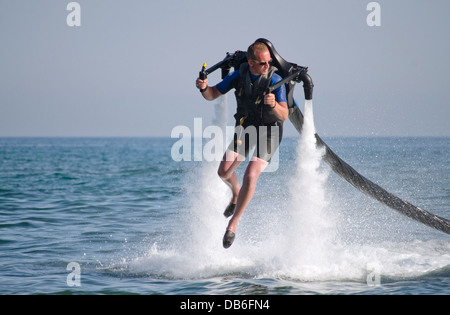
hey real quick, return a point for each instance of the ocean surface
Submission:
(120, 216)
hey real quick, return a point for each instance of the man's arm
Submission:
(280, 109)
(211, 92)
(277, 100)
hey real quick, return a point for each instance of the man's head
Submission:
(258, 56)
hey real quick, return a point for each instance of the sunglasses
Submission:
(263, 63)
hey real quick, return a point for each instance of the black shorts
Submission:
(266, 138)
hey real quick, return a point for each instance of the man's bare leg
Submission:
(254, 169)
(230, 162)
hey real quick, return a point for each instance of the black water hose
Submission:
(348, 173)
(378, 193)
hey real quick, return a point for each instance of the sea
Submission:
(110, 216)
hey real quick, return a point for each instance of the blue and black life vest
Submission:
(250, 97)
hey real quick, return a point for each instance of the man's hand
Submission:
(201, 84)
(209, 93)
(280, 109)
(269, 100)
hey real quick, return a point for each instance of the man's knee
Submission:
(223, 173)
(229, 163)
(251, 177)
(254, 170)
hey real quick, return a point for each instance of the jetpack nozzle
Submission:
(308, 85)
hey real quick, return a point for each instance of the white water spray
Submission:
(196, 251)
(212, 195)
(310, 228)
(307, 250)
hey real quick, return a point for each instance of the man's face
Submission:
(261, 63)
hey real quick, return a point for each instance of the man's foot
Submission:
(228, 239)
(229, 211)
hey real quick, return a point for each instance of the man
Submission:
(256, 111)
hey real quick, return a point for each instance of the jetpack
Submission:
(293, 74)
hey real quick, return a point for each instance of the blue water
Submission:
(135, 221)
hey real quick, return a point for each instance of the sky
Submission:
(129, 70)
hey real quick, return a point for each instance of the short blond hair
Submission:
(258, 46)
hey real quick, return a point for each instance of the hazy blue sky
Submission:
(129, 70)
